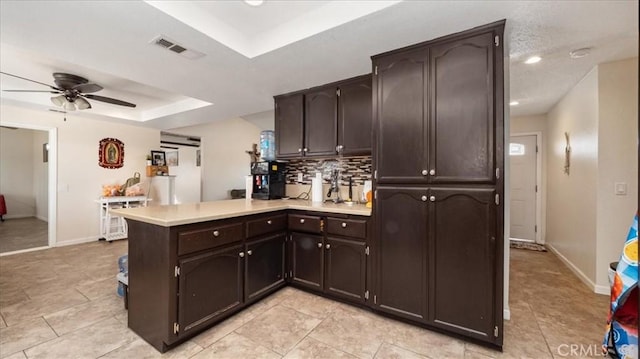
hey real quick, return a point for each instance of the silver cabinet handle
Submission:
(249, 252)
(269, 222)
(305, 149)
(432, 172)
(344, 224)
(424, 172)
(241, 254)
(424, 198)
(301, 220)
(299, 149)
(328, 246)
(432, 198)
(319, 245)
(216, 233)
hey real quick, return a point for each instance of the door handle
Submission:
(328, 246)
(301, 220)
(269, 222)
(241, 254)
(249, 252)
(216, 233)
(319, 244)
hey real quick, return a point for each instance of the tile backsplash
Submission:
(359, 168)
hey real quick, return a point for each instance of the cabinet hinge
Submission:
(176, 271)
(375, 194)
(366, 250)
(375, 299)
(366, 295)
(286, 275)
(495, 331)
(497, 173)
(497, 40)
(176, 328)
(338, 92)
(497, 199)
(375, 174)
(375, 70)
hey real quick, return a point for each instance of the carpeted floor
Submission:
(23, 233)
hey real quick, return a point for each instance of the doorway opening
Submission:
(526, 187)
(29, 161)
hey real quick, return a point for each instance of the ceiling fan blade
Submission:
(22, 78)
(87, 88)
(30, 91)
(109, 100)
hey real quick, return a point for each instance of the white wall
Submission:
(224, 161)
(531, 124)
(79, 176)
(617, 160)
(571, 199)
(587, 222)
(40, 175)
(16, 172)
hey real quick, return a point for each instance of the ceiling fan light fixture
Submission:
(58, 100)
(82, 103)
(69, 106)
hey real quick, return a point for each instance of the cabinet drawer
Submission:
(356, 228)
(266, 225)
(210, 237)
(301, 223)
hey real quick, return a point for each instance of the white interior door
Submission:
(523, 157)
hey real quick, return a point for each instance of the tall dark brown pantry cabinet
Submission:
(438, 158)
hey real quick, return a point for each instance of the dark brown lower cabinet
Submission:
(264, 265)
(307, 260)
(401, 270)
(210, 285)
(462, 262)
(346, 267)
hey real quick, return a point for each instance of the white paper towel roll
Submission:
(248, 186)
(316, 190)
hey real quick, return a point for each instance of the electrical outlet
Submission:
(300, 178)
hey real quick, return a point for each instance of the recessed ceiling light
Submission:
(254, 2)
(514, 103)
(533, 60)
(579, 53)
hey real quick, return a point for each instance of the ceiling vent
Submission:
(169, 44)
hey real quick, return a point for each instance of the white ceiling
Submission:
(109, 43)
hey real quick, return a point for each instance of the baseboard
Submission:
(76, 241)
(580, 274)
(44, 219)
(602, 289)
(17, 216)
(23, 251)
(506, 314)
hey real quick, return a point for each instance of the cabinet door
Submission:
(401, 247)
(307, 260)
(355, 118)
(210, 284)
(400, 127)
(320, 133)
(265, 265)
(463, 262)
(462, 110)
(289, 117)
(345, 269)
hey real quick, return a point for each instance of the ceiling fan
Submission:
(73, 92)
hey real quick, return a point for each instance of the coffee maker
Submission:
(268, 179)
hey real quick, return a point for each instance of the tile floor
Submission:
(23, 233)
(61, 303)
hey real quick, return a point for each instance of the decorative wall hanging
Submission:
(158, 158)
(111, 153)
(172, 158)
(567, 154)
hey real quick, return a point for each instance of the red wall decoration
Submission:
(111, 153)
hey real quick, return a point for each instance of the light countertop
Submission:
(174, 215)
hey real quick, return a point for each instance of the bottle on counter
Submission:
(268, 145)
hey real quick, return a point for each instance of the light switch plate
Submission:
(620, 189)
(300, 178)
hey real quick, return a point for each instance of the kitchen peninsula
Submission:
(193, 265)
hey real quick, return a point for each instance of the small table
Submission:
(115, 227)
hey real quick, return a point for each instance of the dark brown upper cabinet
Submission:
(355, 117)
(325, 121)
(462, 126)
(289, 125)
(320, 132)
(435, 112)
